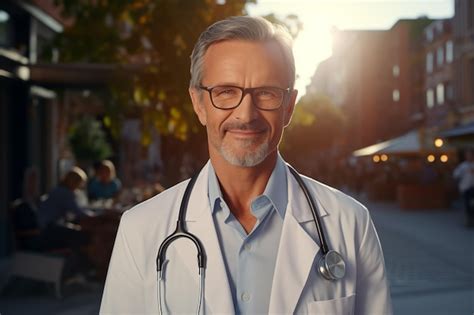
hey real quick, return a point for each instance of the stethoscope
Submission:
(331, 265)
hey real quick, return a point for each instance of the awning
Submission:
(80, 75)
(460, 131)
(413, 143)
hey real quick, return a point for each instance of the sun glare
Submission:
(314, 42)
(312, 45)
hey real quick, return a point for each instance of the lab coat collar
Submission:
(218, 298)
(300, 207)
(296, 252)
(297, 200)
(199, 200)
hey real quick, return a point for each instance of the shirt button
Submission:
(245, 297)
(247, 247)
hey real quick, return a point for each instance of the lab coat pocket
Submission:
(339, 306)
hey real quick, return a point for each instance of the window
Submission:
(449, 91)
(440, 94)
(440, 56)
(449, 51)
(439, 27)
(471, 77)
(4, 25)
(430, 98)
(429, 62)
(429, 34)
(396, 95)
(470, 15)
(396, 71)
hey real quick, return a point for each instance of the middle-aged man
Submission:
(246, 209)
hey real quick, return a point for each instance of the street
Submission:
(428, 254)
(429, 258)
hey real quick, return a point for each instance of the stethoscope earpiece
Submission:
(332, 266)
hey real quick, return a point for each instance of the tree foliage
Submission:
(317, 126)
(88, 141)
(156, 35)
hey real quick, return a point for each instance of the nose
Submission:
(246, 111)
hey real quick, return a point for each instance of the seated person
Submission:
(104, 184)
(58, 213)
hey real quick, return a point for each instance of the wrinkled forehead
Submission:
(236, 58)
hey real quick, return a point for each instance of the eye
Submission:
(225, 91)
(267, 93)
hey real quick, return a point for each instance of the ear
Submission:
(198, 105)
(290, 107)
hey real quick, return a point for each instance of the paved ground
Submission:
(429, 256)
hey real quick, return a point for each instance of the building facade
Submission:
(463, 29)
(439, 87)
(28, 111)
(377, 79)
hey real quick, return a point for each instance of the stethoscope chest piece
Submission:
(331, 266)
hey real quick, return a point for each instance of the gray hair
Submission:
(241, 28)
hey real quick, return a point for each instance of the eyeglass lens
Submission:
(230, 96)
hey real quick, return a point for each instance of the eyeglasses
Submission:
(230, 97)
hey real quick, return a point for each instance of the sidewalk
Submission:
(23, 296)
(429, 258)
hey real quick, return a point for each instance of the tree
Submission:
(315, 132)
(88, 141)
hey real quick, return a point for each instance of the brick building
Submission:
(377, 79)
(463, 29)
(440, 106)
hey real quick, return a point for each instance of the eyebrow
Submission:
(275, 84)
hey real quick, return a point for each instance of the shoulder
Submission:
(93, 181)
(158, 209)
(61, 192)
(116, 183)
(335, 202)
(461, 168)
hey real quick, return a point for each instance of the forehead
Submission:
(243, 62)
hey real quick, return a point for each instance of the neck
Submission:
(240, 185)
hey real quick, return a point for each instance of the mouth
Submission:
(245, 133)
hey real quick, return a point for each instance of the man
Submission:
(464, 173)
(246, 209)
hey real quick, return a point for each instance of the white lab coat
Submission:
(131, 286)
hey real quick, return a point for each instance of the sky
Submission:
(313, 43)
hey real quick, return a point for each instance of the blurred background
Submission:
(98, 91)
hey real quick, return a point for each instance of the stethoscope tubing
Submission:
(314, 211)
(330, 271)
(182, 232)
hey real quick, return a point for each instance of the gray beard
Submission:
(248, 159)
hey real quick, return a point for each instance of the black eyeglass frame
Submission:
(245, 91)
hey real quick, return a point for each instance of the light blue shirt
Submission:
(250, 258)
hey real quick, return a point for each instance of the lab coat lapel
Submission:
(296, 254)
(200, 223)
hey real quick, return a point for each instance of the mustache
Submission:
(252, 126)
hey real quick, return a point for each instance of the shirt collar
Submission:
(276, 190)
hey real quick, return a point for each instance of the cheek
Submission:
(276, 124)
(215, 122)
